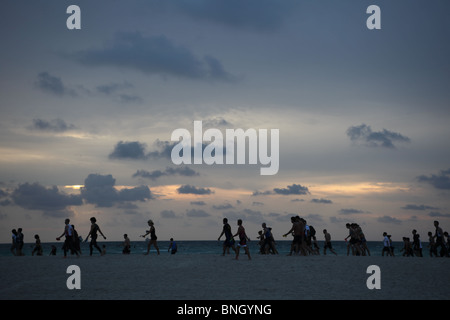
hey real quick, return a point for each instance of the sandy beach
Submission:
(214, 277)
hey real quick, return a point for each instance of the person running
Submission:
(173, 248)
(439, 236)
(69, 242)
(229, 240)
(153, 237)
(126, 244)
(327, 244)
(242, 240)
(93, 233)
(37, 247)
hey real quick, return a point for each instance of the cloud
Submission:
(99, 190)
(128, 150)
(363, 134)
(440, 181)
(223, 206)
(115, 90)
(350, 211)
(188, 189)
(321, 201)
(195, 213)
(55, 125)
(421, 207)
(438, 214)
(153, 55)
(52, 84)
(168, 214)
(389, 220)
(49, 200)
(259, 15)
(155, 174)
(293, 189)
(198, 203)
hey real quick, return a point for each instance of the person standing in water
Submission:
(153, 237)
(93, 233)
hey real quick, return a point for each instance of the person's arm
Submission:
(64, 232)
(221, 234)
(90, 231)
(146, 233)
(292, 229)
(101, 233)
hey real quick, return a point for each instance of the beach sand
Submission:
(214, 277)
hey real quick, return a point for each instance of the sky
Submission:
(87, 116)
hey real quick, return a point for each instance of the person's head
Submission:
(36, 236)
(239, 222)
(14, 231)
(171, 239)
(19, 230)
(324, 231)
(125, 236)
(93, 220)
(430, 233)
(150, 222)
(67, 221)
(263, 225)
(225, 220)
(347, 225)
(436, 223)
(414, 231)
(384, 234)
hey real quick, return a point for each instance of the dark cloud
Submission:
(185, 189)
(438, 214)
(293, 189)
(55, 125)
(128, 150)
(259, 15)
(99, 190)
(421, 207)
(321, 201)
(153, 55)
(49, 200)
(389, 220)
(262, 193)
(168, 214)
(164, 150)
(350, 211)
(198, 203)
(226, 206)
(115, 90)
(51, 84)
(195, 213)
(440, 181)
(363, 134)
(169, 171)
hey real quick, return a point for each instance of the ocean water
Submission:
(199, 247)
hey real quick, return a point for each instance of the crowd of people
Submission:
(304, 241)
